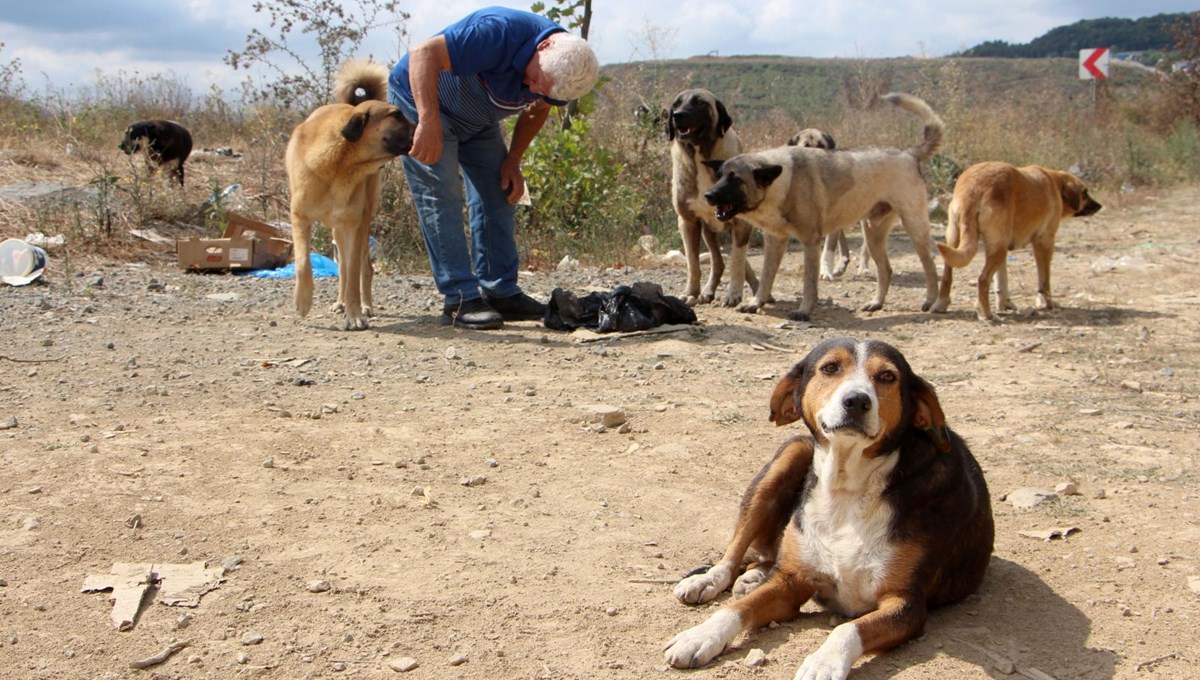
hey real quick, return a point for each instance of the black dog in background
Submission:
(165, 141)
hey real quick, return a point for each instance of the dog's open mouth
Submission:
(726, 212)
(685, 131)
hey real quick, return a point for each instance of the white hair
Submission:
(572, 65)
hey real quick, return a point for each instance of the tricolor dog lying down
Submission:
(880, 514)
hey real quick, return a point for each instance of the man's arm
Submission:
(529, 123)
(425, 62)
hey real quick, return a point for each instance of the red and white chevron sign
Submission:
(1093, 63)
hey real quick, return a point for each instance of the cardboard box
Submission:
(226, 253)
(247, 244)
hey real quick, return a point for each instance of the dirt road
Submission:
(420, 492)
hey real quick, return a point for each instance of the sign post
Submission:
(1093, 66)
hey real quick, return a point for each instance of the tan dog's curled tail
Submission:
(962, 234)
(934, 127)
(360, 80)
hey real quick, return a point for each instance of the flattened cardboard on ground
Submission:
(179, 585)
(129, 583)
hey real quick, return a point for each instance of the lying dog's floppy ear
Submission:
(353, 130)
(765, 175)
(715, 166)
(670, 127)
(724, 122)
(928, 415)
(829, 143)
(785, 408)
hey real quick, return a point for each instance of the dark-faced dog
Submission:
(879, 513)
(333, 161)
(812, 193)
(164, 141)
(701, 130)
(1007, 208)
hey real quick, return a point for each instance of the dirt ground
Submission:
(443, 486)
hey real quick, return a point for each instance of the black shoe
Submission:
(475, 314)
(519, 307)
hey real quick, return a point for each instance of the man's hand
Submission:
(427, 141)
(512, 180)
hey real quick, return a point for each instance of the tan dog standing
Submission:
(333, 161)
(794, 191)
(835, 256)
(1006, 208)
(701, 130)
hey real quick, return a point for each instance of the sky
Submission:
(64, 44)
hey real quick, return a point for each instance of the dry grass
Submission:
(1137, 135)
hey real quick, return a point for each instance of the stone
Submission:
(403, 664)
(1067, 489)
(1029, 497)
(756, 658)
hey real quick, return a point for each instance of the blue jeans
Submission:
(492, 259)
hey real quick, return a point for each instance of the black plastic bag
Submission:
(627, 308)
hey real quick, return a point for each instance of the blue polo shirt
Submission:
(489, 50)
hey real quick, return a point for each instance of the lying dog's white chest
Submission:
(845, 539)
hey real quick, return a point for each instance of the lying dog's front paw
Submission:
(750, 580)
(834, 658)
(703, 587)
(698, 645)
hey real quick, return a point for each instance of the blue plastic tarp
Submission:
(322, 266)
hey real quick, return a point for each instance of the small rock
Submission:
(252, 639)
(232, 563)
(1067, 489)
(1099, 494)
(318, 586)
(243, 658)
(8, 423)
(404, 664)
(35, 490)
(338, 666)
(32, 523)
(609, 416)
(1029, 497)
(457, 660)
(481, 534)
(1124, 563)
(477, 480)
(1132, 385)
(491, 462)
(1194, 584)
(756, 658)
(358, 396)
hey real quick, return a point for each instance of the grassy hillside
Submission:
(822, 89)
